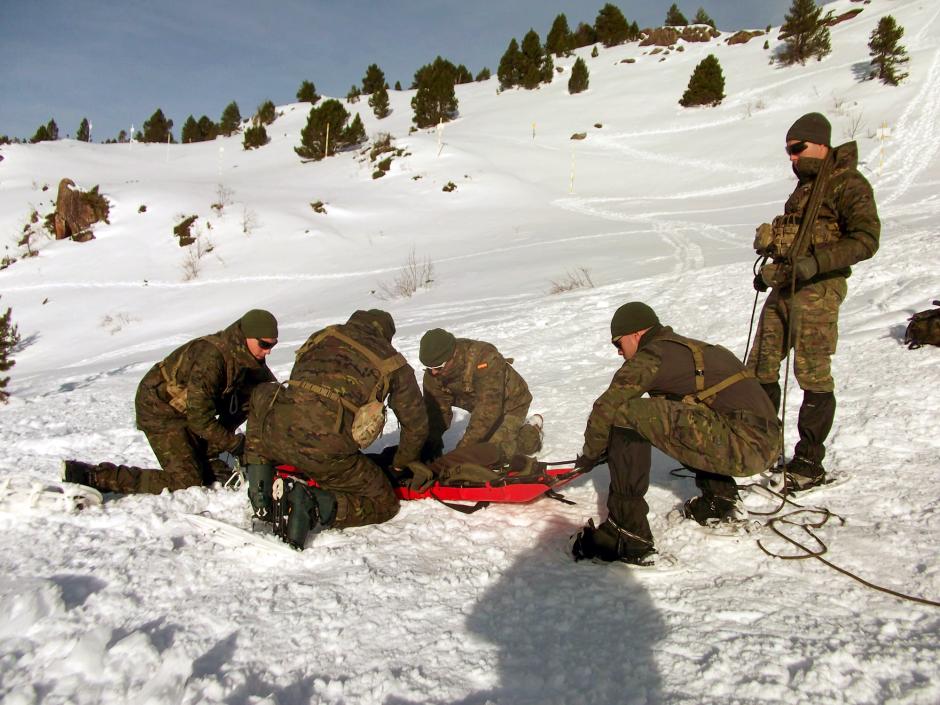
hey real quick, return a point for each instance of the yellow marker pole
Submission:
(326, 145)
(571, 181)
(533, 130)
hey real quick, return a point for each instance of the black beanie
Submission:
(630, 318)
(812, 127)
(437, 347)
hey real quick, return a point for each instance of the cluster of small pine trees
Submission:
(527, 66)
(435, 100)
(329, 130)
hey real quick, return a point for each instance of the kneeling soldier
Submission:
(331, 408)
(705, 410)
(189, 406)
(474, 376)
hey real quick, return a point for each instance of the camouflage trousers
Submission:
(513, 435)
(294, 429)
(736, 444)
(811, 318)
(185, 458)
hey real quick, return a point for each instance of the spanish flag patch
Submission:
(482, 366)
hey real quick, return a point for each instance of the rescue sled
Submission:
(513, 488)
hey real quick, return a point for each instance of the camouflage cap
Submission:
(258, 323)
(381, 320)
(437, 347)
(812, 127)
(630, 318)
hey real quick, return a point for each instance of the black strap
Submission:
(463, 508)
(552, 494)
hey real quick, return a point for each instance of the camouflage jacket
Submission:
(332, 363)
(662, 367)
(208, 381)
(848, 202)
(479, 380)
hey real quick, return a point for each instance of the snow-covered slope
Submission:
(129, 603)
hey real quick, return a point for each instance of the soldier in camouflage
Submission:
(473, 375)
(309, 424)
(704, 409)
(189, 407)
(805, 316)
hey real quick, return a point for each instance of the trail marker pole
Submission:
(571, 181)
(884, 132)
(440, 136)
(533, 129)
(326, 144)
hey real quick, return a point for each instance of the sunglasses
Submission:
(796, 148)
(266, 344)
(437, 367)
(616, 342)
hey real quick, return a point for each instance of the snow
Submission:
(130, 602)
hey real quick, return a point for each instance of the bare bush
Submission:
(249, 220)
(192, 260)
(223, 197)
(579, 278)
(855, 126)
(416, 274)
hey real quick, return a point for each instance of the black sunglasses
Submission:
(796, 148)
(266, 344)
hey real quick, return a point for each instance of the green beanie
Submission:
(630, 318)
(437, 347)
(258, 323)
(812, 127)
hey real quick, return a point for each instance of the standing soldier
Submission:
(705, 410)
(832, 214)
(472, 375)
(189, 406)
(331, 408)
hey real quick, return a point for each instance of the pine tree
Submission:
(634, 34)
(208, 130)
(583, 36)
(701, 17)
(463, 75)
(397, 85)
(255, 136)
(533, 61)
(157, 128)
(675, 18)
(579, 77)
(378, 101)
(508, 72)
(355, 133)
(52, 130)
(706, 86)
(435, 100)
(9, 339)
(558, 39)
(231, 119)
(374, 80)
(886, 53)
(353, 95)
(190, 132)
(266, 114)
(484, 74)
(316, 141)
(84, 131)
(307, 93)
(611, 26)
(804, 33)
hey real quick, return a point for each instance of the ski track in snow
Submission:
(129, 602)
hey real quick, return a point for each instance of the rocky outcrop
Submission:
(76, 211)
(667, 36)
(744, 36)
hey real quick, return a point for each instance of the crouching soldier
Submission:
(705, 410)
(474, 376)
(189, 407)
(331, 407)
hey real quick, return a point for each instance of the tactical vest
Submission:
(701, 395)
(368, 419)
(178, 392)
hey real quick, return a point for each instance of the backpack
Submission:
(924, 328)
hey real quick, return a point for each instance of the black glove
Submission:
(585, 463)
(806, 267)
(759, 283)
(432, 450)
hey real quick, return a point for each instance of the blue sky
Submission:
(117, 62)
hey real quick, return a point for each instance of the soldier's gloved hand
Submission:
(422, 477)
(774, 274)
(759, 283)
(585, 463)
(806, 267)
(238, 450)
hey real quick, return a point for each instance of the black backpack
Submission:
(924, 328)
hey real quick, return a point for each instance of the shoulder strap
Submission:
(702, 394)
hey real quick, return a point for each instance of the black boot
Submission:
(309, 509)
(814, 423)
(719, 502)
(611, 543)
(773, 392)
(79, 473)
(260, 480)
